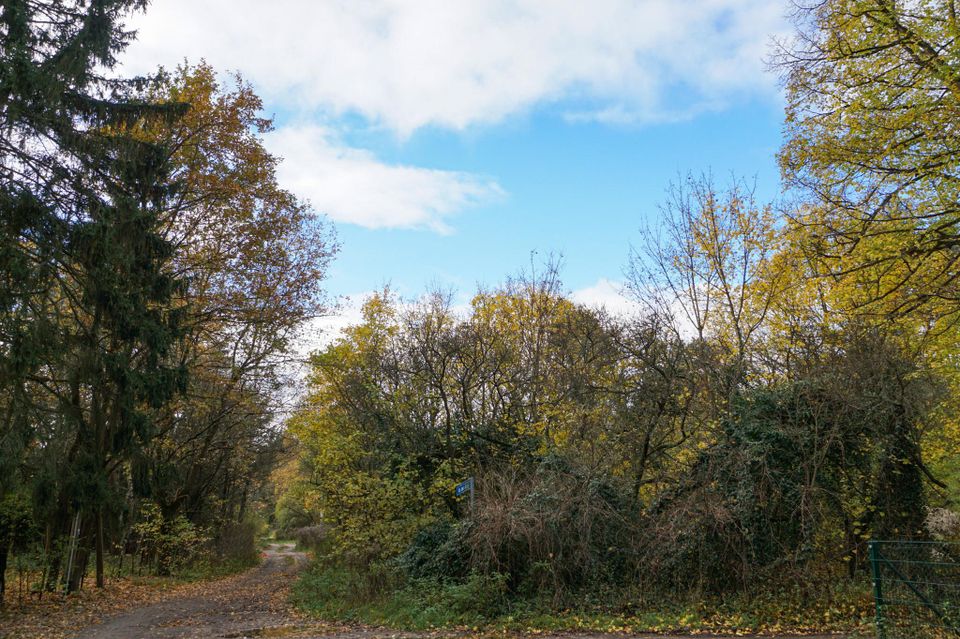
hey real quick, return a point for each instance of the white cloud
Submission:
(406, 64)
(320, 332)
(352, 185)
(604, 294)
(314, 335)
(607, 295)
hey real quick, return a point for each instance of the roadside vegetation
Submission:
(785, 390)
(332, 592)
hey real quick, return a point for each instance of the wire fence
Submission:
(916, 588)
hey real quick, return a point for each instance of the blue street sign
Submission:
(464, 486)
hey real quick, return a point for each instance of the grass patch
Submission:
(334, 593)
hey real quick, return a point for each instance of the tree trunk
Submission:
(243, 501)
(4, 553)
(82, 554)
(57, 530)
(79, 566)
(99, 534)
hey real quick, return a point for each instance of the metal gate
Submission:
(916, 587)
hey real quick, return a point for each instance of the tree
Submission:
(50, 94)
(153, 279)
(709, 272)
(873, 89)
(81, 200)
(127, 308)
(255, 257)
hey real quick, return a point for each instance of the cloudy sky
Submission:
(448, 139)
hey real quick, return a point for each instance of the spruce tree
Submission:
(90, 311)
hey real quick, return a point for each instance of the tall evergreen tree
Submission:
(89, 316)
(127, 306)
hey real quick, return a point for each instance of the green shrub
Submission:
(335, 592)
(173, 544)
(483, 596)
(440, 551)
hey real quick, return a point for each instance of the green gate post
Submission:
(877, 587)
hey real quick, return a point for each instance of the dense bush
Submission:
(439, 551)
(17, 529)
(553, 530)
(335, 591)
(310, 537)
(169, 544)
(615, 460)
(943, 524)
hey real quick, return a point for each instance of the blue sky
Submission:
(449, 139)
(581, 190)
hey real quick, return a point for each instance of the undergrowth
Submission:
(207, 569)
(381, 598)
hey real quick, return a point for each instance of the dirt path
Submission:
(253, 604)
